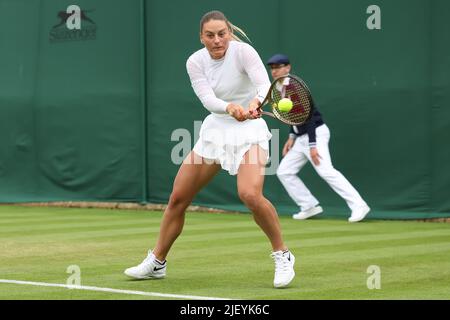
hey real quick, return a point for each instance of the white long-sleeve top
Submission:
(237, 78)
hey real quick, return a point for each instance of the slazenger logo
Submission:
(74, 25)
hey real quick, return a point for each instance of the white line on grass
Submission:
(140, 293)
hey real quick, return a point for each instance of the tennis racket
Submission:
(293, 88)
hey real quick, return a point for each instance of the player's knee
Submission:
(178, 199)
(250, 198)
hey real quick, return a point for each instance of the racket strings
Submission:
(301, 101)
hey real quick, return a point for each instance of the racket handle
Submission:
(270, 114)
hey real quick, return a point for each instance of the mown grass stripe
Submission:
(225, 255)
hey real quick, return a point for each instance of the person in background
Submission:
(309, 142)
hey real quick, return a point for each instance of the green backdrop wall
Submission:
(84, 115)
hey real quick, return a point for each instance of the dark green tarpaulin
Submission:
(102, 115)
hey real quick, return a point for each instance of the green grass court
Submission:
(219, 255)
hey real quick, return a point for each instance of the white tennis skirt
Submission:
(226, 140)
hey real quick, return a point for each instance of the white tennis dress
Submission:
(237, 78)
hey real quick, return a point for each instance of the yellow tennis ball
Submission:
(285, 105)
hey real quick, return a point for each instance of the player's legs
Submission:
(287, 172)
(192, 176)
(333, 177)
(250, 181)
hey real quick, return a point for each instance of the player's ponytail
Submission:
(236, 29)
(236, 32)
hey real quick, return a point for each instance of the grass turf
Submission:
(219, 255)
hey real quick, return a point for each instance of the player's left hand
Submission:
(254, 111)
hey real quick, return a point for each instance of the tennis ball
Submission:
(285, 105)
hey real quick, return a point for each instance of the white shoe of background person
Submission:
(284, 268)
(150, 268)
(302, 215)
(359, 214)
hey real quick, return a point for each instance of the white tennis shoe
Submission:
(359, 214)
(284, 268)
(150, 268)
(302, 215)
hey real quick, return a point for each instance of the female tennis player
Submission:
(226, 75)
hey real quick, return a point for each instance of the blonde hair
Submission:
(236, 32)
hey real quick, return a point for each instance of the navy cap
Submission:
(278, 59)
